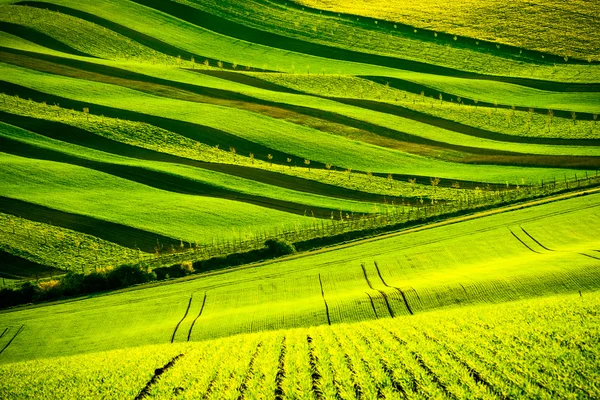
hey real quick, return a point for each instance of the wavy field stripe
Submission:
(232, 29)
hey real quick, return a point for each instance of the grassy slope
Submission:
(209, 182)
(279, 107)
(450, 343)
(469, 262)
(546, 25)
(78, 34)
(227, 49)
(76, 189)
(60, 248)
(286, 137)
(346, 34)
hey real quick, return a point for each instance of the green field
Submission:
(217, 199)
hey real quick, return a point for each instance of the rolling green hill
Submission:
(451, 166)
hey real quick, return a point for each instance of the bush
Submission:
(94, 282)
(127, 275)
(174, 271)
(51, 289)
(278, 247)
(72, 283)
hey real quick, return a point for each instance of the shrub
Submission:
(49, 289)
(127, 275)
(174, 271)
(72, 283)
(94, 282)
(278, 247)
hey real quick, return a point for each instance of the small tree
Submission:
(390, 179)
(12, 223)
(86, 111)
(217, 150)
(270, 157)
(193, 60)
(289, 161)
(574, 117)
(252, 157)
(307, 163)
(349, 172)
(413, 183)
(220, 64)
(233, 152)
(328, 167)
(206, 63)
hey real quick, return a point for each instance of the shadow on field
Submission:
(426, 147)
(141, 38)
(235, 30)
(39, 38)
(161, 180)
(15, 267)
(81, 137)
(120, 234)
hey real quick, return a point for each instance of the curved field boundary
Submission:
(16, 267)
(442, 38)
(163, 88)
(70, 134)
(232, 29)
(478, 155)
(449, 125)
(39, 38)
(141, 38)
(200, 133)
(161, 180)
(248, 80)
(123, 235)
(416, 115)
(417, 88)
(191, 131)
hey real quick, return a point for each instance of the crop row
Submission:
(543, 348)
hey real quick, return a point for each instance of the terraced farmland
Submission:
(449, 163)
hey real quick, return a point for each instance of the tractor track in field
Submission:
(324, 301)
(12, 339)
(187, 310)
(381, 292)
(448, 222)
(4, 332)
(195, 319)
(157, 373)
(408, 308)
(522, 242)
(372, 305)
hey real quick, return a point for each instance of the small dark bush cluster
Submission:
(73, 284)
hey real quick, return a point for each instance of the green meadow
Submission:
(309, 199)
